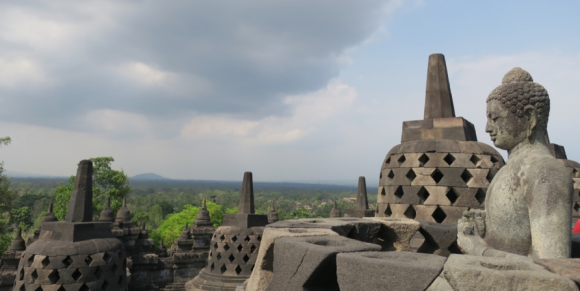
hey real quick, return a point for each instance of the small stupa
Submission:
(362, 203)
(75, 254)
(48, 217)
(439, 170)
(272, 215)
(234, 246)
(335, 212)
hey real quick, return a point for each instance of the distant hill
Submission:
(149, 176)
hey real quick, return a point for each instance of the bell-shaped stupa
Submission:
(234, 246)
(439, 170)
(75, 254)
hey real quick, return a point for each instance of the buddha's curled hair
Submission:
(518, 90)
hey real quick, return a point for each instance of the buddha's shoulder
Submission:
(544, 167)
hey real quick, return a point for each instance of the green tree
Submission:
(106, 183)
(6, 199)
(22, 217)
(171, 228)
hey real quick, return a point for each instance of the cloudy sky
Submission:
(291, 90)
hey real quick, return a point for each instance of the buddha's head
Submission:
(517, 110)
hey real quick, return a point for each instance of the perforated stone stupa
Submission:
(76, 254)
(234, 246)
(439, 169)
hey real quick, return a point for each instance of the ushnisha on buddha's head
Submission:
(517, 111)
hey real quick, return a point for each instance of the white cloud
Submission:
(308, 112)
(21, 72)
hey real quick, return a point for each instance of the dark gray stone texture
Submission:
(387, 270)
(81, 201)
(247, 195)
(440, 239)
(568, 268)
(355, 228)
(473, 273)
(309, 263)
(76, 254)
(438, 101)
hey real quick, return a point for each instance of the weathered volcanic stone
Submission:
(440, 239)
(76, 254)
(395, 234)
(262, 273)
(387, 270)
(569, 268)
(472, 273)
(309, 263)
(351, 227)
(362, 204)
(438, 101)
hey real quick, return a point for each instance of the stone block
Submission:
(448, 146)
(411, 134)
(436, 160)
(452, 177)
(452, 214)
(423, 177)
(343, 228)
(309, 263)
(437, 195)
(412, 160)
(487, 273)
(469, 147)
(448, 122)
(479, 178)
(402, 211)
(568, 268)
(440, 284)
(435, 133)
(387, 270)
(462, 160)
(425, 146)
(418, 124)
(439, 239)
(466, 197)
(425, 212)
(262, 273)
(359, 213)
(456, 133)
(400, 176)
(395, 234)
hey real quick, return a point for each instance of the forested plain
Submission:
(164, 206)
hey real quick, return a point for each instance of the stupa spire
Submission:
(361, 196)
(247, 195)
(80, 208)
(438, 100)
(335, 212)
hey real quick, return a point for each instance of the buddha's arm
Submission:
(549, 205)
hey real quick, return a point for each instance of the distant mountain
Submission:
(149, 176)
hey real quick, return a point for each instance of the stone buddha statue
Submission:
(528, 203)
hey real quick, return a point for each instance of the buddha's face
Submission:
(505, 128)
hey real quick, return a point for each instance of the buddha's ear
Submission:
(532, 113)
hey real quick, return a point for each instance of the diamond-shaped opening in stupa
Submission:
(452, 195)
(423, 194)
(410, 212)
(399, 192)
(439, 215)
(423, 159)
(449, 159)
(437, 175)
(411, 175)
(474, 160)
